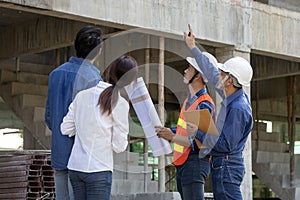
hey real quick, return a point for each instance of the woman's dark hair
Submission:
(88, 38)
(120, 73)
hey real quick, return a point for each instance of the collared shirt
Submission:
(97, 135)
(202, 105)
(64, 83)
(234, 122)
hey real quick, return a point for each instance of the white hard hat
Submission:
(192, 61)
(220, 65)
(240, 68)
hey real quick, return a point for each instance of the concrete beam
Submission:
(36, 36)
(289, 4)
(253, 25)
(172, 19)
(275, 31)
(273, 89)
(45, 4)
(274, 108)
(161, 17)
(269, 68)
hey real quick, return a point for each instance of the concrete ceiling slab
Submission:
(10, 16)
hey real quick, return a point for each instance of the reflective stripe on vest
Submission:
(181, 153)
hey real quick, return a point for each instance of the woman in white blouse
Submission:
(98, 117)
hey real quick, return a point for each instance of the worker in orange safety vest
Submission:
(191, 169)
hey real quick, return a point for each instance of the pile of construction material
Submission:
(26, 175)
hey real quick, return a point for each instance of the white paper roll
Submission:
(147, 115)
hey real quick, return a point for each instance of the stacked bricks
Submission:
(26, 175)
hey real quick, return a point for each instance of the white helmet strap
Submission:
(235, 81)
(220, 83)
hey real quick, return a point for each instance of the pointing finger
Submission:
(190, 29)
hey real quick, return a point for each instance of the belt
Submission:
(207, 156)
(229, 156)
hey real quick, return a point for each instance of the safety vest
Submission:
(181, 153)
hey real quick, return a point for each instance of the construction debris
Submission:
(26, 175)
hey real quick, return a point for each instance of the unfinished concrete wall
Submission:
(244, 24)
(288, 4)
(171, 17)
(275, 31)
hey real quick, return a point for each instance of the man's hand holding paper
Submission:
(200, 124)
(165, 133)
(191, 128)
(202, 119)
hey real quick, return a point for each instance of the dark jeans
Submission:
(227, 175)
(191, 176)
(91, 186)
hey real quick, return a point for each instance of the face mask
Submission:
(220, 83)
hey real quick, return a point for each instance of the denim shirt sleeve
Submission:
(47, 115)
(209, 70)
(47, 108)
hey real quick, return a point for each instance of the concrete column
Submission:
(147, 61)
(161, 111)
(223, 54)
(247, 183)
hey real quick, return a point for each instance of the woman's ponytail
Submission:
(106, 99)
(124, 68)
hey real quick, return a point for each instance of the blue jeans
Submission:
(227, 175)
(63, 188)
(191, 176)
(91, 186)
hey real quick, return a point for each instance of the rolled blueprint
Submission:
(147, 115)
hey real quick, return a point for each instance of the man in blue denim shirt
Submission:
(234, 122)
(64, 83)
